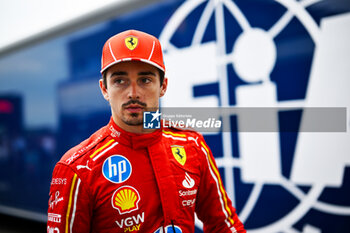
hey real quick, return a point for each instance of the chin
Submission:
(133, 119)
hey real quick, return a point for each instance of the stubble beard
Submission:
(133, 119)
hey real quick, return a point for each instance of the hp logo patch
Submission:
(151, 120)
(116, 169)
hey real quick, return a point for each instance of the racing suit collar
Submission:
(133, 140)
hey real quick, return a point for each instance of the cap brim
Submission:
(132, 59)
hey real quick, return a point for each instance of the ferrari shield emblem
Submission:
(179, 154)
(131, 42)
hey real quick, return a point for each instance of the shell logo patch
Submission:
(179, 154)
(131, 42)
(125, 199)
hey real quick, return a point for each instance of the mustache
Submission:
(134, 102)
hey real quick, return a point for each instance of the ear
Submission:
(103, 90)
(164, 87)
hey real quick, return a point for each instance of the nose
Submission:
(133, 92)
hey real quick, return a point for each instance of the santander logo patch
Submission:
(188, 182)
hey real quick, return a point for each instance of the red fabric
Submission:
(145, 47)
(117, 181)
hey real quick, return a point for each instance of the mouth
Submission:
(134, 108)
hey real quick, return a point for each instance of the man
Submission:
(126, 179)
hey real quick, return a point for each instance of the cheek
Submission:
(115, 98)
(153, 97)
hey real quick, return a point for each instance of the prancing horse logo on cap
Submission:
(131, 42)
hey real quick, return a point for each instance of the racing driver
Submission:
(125, 179)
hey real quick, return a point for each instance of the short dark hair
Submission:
(161, 77)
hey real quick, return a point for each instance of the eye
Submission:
(146, 80)
(118, 81)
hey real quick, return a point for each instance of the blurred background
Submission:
(287, 54)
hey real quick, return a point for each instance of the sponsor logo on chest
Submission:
(125, 199)
(183, 193)
(116, 169)
(188, 183)
(179, 154)
(132, 223)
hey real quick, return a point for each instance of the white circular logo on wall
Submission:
(253, 58)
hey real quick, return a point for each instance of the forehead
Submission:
(132, 66)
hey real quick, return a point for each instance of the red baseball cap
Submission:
(132, 45)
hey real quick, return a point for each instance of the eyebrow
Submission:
(120, 73)
(147, 73)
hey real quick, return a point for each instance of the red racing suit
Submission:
(117, 181)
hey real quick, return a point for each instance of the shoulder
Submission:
(187, 136)
(82, 151)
